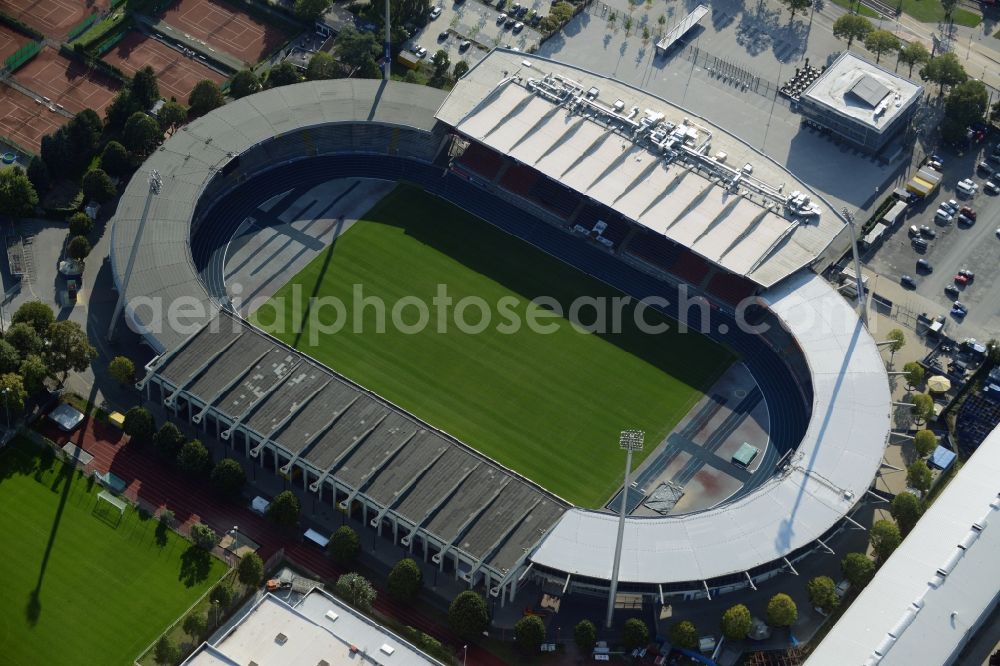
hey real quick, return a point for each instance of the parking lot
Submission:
(477, 22)
(955, 247)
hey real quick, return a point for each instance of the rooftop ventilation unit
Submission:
(281, 639)
(388, 649)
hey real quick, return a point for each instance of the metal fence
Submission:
(730, 72)
(22, 55)
(82, 27)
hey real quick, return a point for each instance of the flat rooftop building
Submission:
(861, 102)
(318, 629)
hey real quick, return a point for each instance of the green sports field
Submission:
(75, 589)
(549, 405)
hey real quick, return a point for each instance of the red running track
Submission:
(158, 486)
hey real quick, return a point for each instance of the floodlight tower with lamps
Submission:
(155, 183)
(863, 311)
(630, 440)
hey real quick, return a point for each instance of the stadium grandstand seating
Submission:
(977, 417)
(519, 179)
(730, 288)
(481, 160)
(691, 268)
(654, 249)
(555, 197)
(616, 227)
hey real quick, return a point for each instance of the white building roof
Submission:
(862, 91)
(318, 629)
(909, 613)
(596, 153)
(830, 470)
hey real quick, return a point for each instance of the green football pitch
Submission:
(549, 405)
(76, 589)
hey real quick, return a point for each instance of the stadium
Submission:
(529, 177)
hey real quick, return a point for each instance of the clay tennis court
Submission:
(175, 73)
(52, 18)
(67, 82)
(226, 28)
(10, 42)
(24, 121)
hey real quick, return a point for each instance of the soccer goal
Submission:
(109, 508)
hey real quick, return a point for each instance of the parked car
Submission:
(951, 290)
(464, 46)
(925, 266)
(961, 279)
(951, 205)
(518, 27)
(908, 281)
(968, 212)
(984, 167)
(943, 216)
(919, 244)
(990, 187)
(420, 52)
(435, 12)
(969, 275)
(967, 187)
(443, 36)
(927, 232)
(914, 230)
(510, 22)
(964, 220)
(959, 305)
(501, 19)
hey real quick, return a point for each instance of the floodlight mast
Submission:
(862, 310)
(155, 183)
(630, 440)
(388, 48)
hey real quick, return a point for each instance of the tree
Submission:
(529, 632)
(165, 651)
(851, 27)
(794, 6)
(14, 395)
(245, 82)
(78, 248)
(310, 10)
(250, 570)
(906, 508)
(736, 622)
(858, 569)
(823, 593)
(97, 186)
(141, 134)
(923, 406)
(895, 340)
(440, 61)
(925, 442)
(80, 224)
(115, 160)
(57, 153)
(145, 91)
(585, 635)
(24, 339)
(222, 594)
(204, 97)
(884, 537)
(35, 314)
(405, 580)
(68, 350)
(119, 111)
(38, 174)
(467, 615)
(344, 546)
(966, 104)
(355, 49)
(171, 116)
(34, 371)
(683, 635)
(461, 67)
(282, 74)
(949, 7)
(122, 369)
(17, 195)
(356, 590)
(781, 611)
(203, 536)
(168, 441)
(196, 625)
(918, 475)
(83, 134)
(194, 459)
(944, 70)
(139, 424)
(321, 66)
(228, 478)
(914, 374)
(10, 358)
(881, 41)
(913, 54)
(284, 509)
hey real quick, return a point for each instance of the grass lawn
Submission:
(77, 590)
(925, 11)
(547, 405)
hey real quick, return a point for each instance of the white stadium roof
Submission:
(586, 141)
(910, 613)
(829, 471)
